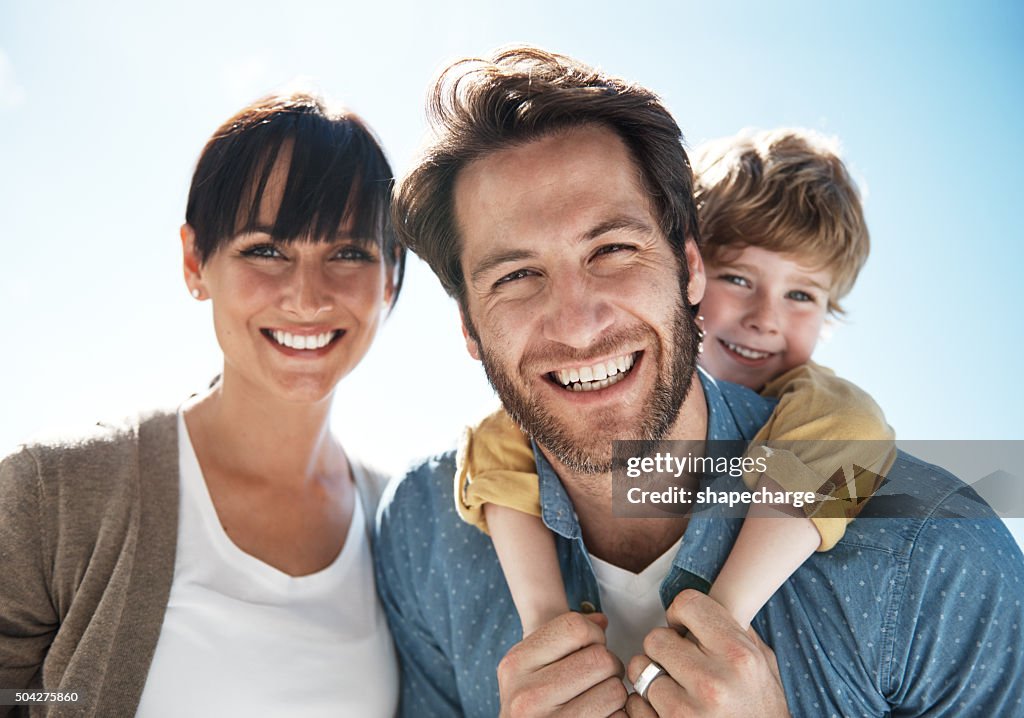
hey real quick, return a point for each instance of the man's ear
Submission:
(190, 262)
(472, 345)
(698, 278)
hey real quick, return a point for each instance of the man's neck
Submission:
(630, 543)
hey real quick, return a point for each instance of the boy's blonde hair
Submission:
(783, 190)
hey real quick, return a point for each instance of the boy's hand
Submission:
(717, 670)
(562, 669)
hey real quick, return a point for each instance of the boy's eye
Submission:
(262, 251)
(735, 279)
(800, 296)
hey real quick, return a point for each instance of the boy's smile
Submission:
(763, 313)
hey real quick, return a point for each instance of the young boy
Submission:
(783, 241)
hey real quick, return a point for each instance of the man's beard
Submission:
(661, 407)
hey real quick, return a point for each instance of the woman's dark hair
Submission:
(337, 175)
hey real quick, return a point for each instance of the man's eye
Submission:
(613, 248)
(513, 277)
(262, 251)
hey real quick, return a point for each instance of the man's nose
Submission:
(576, 314)
(308, 293)
(762, 314)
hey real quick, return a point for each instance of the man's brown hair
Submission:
(478, 107)
(787, 191)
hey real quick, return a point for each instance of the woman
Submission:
(214, 560)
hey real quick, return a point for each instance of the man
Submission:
(556, 206)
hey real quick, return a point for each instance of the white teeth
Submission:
(745, 352)
(599, 376)
(302, 341)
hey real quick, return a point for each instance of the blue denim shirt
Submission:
(904, 617)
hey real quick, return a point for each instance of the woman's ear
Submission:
(190, 262)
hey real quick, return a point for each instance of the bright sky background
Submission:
(104, 107)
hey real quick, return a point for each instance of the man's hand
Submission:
(562, 669)
(718, 669)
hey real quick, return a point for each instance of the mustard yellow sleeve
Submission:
(838, 427)
(495, 465)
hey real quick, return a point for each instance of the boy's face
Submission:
(763, 313)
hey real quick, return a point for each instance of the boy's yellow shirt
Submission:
(836, 423)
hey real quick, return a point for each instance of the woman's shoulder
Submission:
(370, 482)
(68, 457)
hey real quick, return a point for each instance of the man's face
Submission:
(574, 296)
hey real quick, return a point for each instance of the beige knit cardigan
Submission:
(88, 530)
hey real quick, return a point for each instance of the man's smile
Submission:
(596, 376)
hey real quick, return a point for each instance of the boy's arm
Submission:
(827, 436)
(833, 426)
(497, 490)
(526, 550)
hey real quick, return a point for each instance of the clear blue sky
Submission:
(104, 107)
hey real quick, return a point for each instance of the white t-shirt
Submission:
(242, 638)
(632, 602)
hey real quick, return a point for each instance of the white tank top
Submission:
(241, 638)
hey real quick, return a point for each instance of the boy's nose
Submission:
(762, 316)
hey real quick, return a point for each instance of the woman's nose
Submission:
(309, 292)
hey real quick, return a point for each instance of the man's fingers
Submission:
(666, 690)
(637, 707)
(572, 677)
(768, 653)
(604, 699)
(553, 641)
(709, 624)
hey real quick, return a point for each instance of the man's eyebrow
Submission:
(493, 260)
(630, 224)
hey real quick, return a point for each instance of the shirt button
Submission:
(587, 607)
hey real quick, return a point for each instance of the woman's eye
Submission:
(262, 251)
(355, 254)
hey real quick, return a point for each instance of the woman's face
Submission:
(291, 319)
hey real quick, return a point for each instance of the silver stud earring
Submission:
(700, 333)
(195, 293)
